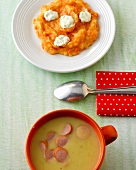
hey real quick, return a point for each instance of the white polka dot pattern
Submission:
(115, 104)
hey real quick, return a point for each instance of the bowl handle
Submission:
(110, 134)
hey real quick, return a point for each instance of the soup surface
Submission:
(73, 19)
(81, 145)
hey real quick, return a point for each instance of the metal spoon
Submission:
(77, 90)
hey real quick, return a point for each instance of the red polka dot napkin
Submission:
(115, 104)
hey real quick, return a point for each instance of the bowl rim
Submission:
(55, 114)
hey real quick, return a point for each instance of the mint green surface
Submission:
(26, 92)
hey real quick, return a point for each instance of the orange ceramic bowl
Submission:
(106, 134)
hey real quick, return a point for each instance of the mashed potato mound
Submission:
(81, 34)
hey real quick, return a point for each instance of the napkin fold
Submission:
(115, 104)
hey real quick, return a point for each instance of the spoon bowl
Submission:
(71, 91)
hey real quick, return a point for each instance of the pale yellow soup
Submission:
(83, 154)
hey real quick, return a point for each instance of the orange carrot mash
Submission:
(81, 35)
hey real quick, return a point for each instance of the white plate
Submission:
(29, 45)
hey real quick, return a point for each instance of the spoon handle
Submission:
(120, 90)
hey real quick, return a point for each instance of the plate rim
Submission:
(105, 50)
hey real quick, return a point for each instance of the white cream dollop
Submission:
(51, 15)
(66, 21)
(61, 40)
(85, 16)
